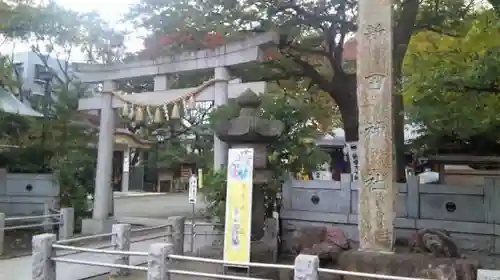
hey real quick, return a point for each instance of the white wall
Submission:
(29, 60)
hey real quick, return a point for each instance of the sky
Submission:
(110, 10)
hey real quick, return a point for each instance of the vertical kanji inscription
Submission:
(376, 194)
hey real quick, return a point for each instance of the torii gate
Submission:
(219, 90)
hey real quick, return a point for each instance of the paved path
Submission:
(161, 206)
(145, 210)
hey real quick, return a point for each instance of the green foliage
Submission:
(309, 51)
(187, 140)
(290, 153)
(30, 159)
(451, 85)
(59, 143)
(214, 192)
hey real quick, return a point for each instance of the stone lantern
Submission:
(248, 130)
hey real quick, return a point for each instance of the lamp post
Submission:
(47, 75)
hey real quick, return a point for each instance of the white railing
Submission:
(64, 218)
(160, 265)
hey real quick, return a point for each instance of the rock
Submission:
(408, 265)
(437, 242)
(326, 252)
(306, 237)
(338, 237)
(442, 272)
(326, 242)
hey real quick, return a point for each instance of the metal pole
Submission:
(155, 171)
(192, 227)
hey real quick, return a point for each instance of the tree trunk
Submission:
(399, 138)
(402, 35)
(347, 101)
(350, 120)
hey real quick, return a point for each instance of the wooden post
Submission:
(374, 77)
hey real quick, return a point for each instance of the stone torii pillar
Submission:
(221, 97)
(377, 190)
(103, 199)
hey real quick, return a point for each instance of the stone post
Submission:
(177, 223)
(169, 237)
(158, 261)
(103, 190)
(220, 98)
(2, 232)
(306, 267)
(43, 267)
(47, 221)
(66, 229)
(374, 92)
(120, 240)
(126, 170)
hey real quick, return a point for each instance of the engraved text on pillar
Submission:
(376, 209)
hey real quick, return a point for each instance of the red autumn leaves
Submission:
(194, 41)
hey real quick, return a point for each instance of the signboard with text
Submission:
(238, 205)
(193, 188)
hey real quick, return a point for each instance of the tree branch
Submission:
(492, 88)
(313, 74)
(436, 30)
(403, 32)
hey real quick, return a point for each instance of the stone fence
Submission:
(470, 213)
(161, 259)
(63, 218)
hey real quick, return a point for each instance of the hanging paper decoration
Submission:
(139, 114)
(158, 116)
(175, 112)
(135, 110)
(131, 114)
(149, 113)
(125, 110)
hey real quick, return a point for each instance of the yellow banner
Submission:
(238, 205)
(200, 178)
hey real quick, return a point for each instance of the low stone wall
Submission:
(407, 265)
(470, 213)
(26, 194)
